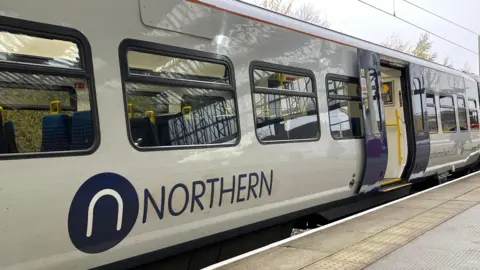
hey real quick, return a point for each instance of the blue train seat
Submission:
(10, 133)
(162, 124)
(143, 132)
(82, 130)
(56, 133)
(7, 140)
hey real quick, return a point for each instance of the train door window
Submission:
(447, 114)
(344, 107)
(285, 103)
(432, 113)
(473, 111)
(462, 114)
(418, 104)
(46, 91)
(176, 97)
(374, 102)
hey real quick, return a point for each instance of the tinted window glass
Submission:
(375, 103)
(462, 114)
(188, 113)
(44, 113)
(418, 104)
(345, 109)
(473, 112)
(163, 66)
(432, 113)
(285, 105)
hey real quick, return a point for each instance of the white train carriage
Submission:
(192, 131)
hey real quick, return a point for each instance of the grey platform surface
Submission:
(439, 229)
(454, 244)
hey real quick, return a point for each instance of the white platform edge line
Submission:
(276, 244)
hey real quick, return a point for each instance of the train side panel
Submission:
(37, 193)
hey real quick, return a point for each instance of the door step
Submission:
(389, 181)
(392, 184)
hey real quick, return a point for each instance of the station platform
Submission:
(435, 229)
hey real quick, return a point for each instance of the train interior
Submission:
(391, 91)
(41, 113)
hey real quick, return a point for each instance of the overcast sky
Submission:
(360, 20)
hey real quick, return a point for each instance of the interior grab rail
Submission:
(397, 125)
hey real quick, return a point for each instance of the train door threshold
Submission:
(432, 229)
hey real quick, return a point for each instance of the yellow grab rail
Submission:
(397, 125)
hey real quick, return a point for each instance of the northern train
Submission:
(187, 132)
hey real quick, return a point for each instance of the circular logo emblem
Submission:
(102, 213)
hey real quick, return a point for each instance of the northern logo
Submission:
(103, 212)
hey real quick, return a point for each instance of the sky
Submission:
(358, 19)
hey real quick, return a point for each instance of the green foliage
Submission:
(28, 129)
(424, 47)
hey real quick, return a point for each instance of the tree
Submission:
(306, 12)
(447, 62)
(422, 49)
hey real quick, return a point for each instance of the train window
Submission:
(462, 114)
(344, 107)
(47, 92)
(177, 97)
(473, 111)
(374, 103)
(432, 113)
(285, 103)
(447, 114)
(418, 104)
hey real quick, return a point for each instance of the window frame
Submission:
(266, 66)
(345, 79)
(84, 72)
(172, 51)
(465, 104)
(476, 110)
(434, 105)
(449, 107)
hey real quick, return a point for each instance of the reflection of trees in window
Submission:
(345, 108)
(447, 114)
(285, 105)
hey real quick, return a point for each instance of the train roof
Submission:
(251, 11)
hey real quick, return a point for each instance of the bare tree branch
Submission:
(306, 12)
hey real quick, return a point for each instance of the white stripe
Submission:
(304, 234)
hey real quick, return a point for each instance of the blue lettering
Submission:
(251, 186)
(212, 193)
(149, 197)
(195, 196)
(240, 187)
(264, 180)
(170, 200)
(223, 191)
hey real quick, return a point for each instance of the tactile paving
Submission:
(334, 265)
(454, 244)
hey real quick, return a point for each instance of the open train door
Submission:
(376, 148)
(417, 98)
